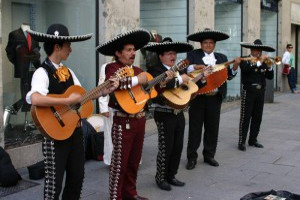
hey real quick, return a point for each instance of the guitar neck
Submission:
(181, 65)
(94, 92)
(197, 78)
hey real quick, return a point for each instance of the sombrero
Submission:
(257, 44)
(57, 33)
(168, 45)
(138, 38)
(208, 34)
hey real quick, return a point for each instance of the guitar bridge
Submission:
(57, 116)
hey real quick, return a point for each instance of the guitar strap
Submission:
(52, 68)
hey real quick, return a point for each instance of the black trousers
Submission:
(204, 110)
(170, 143)
(252, 105)
(292, 79)
(60, 157)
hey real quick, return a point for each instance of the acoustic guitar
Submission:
(134, 99)
(215, 79)
(219, 75)
(59, 122)
(179, 98)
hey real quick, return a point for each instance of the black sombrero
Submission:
(168, 45)
(57, 33)
(138, 37)
(208, 34)
(257, 44)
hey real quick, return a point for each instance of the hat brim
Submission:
(43, 37)
(210, 34)
(178, 47)
(138, 38)
(257, 46)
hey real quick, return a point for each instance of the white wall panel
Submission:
(268, 32)
(228, 19)
(167, 17)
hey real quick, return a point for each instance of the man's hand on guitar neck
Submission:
(170, 76)
(236, 63)
(197, 67)
(113, 84)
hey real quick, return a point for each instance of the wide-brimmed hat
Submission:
(168, 45)
(57, 33)
(138, 37)
(208, 34)
(257, 44)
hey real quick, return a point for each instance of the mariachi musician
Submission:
(128, 130)
(254, 76)
(61, 156)
(205, 108)
(170, 122)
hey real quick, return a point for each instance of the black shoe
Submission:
(175, 182)
(242, 147)
(164, 185)
(257, 145)
(191, 164)
(211, 161)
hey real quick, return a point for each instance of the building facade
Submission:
(275, 22)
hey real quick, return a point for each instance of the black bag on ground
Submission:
(8, 174)
(262, 195)
(37, 170)
(93, 141)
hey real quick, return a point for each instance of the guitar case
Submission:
(8, 174)
(93, 142)
(280, 194)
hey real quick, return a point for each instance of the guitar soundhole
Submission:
(184, 87)
(146, 88)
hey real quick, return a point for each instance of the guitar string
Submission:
(161, 77)
(122, 73)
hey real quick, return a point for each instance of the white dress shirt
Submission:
(40, 81)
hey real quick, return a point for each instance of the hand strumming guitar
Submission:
(185, 78)
(142, 78)
(73, 99)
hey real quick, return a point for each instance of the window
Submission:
(79, 17)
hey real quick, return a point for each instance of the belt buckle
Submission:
(258, 86)
(176, 111)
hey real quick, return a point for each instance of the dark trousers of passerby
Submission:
(61, 157)
(252, 105)
(204, 111)
(128, 138)
(170, 143)
(292, 79)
